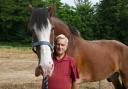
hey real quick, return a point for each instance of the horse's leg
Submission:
(123, 86)
(124, 68)
(125, 82)
(117, 84)
(114, 78)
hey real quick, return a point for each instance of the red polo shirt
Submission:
(64, 71)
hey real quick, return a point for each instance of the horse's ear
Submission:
(30, 8)
(51, 9)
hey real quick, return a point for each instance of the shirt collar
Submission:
(64, 58)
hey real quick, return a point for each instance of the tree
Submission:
(110, 13)
(85, 18)
(14, 19)
(123, 36)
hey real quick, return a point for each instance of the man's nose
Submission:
(59, 46)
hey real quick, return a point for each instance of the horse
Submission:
(96, 60)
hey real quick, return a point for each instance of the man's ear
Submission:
(30, 8)
(51, 10)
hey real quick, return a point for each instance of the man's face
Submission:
(61, 46)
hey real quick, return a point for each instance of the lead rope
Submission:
(45, 79)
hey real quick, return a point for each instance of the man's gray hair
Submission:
(62, 36)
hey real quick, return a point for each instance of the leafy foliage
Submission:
(111, 17)
(106, 20)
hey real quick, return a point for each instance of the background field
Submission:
(17, 70)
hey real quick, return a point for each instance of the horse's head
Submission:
(42, 37)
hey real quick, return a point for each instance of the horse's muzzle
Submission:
(43, 71)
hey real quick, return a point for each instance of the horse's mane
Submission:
(39, 16)
(74, 30)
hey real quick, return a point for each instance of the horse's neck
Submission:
(74, 43)
(60, 27)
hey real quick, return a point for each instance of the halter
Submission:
(39, 43)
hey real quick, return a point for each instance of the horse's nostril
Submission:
(40, 67)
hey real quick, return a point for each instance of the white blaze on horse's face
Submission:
(45, 58)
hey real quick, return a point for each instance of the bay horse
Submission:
(96, 60)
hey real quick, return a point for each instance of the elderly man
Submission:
(65, 71)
